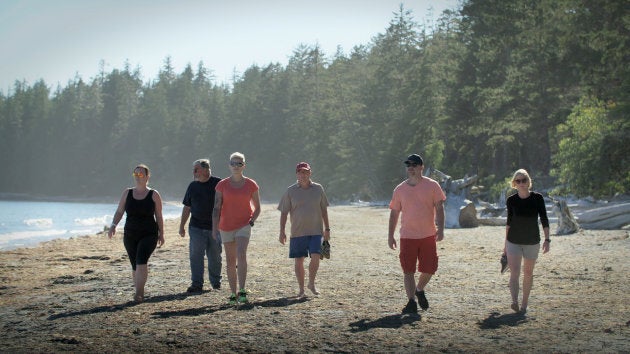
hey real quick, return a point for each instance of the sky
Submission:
(57, 40)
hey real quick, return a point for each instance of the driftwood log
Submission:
(460, 211)
(606, 218)
(566, 222)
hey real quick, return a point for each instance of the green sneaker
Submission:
(232, 299)
(242, 296)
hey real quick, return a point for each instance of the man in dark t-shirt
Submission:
(198, 204)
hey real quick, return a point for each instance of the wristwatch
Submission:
(548, 240)
(251, 223)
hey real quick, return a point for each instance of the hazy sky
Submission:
(56, 39)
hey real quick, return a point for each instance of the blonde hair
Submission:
(238, 155)
(521, 172)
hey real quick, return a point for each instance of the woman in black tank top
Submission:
(144, 226)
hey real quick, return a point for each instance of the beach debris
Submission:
(566, 222)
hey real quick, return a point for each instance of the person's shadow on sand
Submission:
(389, 321)
(118, 307)
(280, 302)
(496, 320)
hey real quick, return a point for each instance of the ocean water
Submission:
(26, 223)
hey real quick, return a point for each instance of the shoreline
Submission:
(74, 295)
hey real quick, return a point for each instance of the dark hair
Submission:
(144, 167)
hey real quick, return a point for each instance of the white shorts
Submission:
(230, 236)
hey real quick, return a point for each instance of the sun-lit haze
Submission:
(58, 40)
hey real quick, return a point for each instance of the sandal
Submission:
(504, 263)
(325, 252)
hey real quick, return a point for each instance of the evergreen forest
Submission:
(488, 88)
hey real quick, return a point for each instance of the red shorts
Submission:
(423, 250)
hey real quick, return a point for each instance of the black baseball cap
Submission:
(414, 158)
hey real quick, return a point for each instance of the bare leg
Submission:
(410, 285)
(135, 285)
(241, 256)
(140, 279)
(230, 264)
(299, 275)
(528, 281)
(514, 262)
(423, 281)
(313, 266)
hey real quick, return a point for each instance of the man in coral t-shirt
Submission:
(421, 201)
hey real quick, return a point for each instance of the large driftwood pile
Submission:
(461, 211)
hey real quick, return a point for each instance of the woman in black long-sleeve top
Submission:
(522, 240)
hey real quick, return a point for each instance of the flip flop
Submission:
(325, 252)
(504, 263)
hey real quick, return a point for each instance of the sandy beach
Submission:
(74, 295)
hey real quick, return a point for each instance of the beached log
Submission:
(607, 218)
(493, 221)
(459, 210)
(468, 216)
(566, 222)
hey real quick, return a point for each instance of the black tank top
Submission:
(140, 213)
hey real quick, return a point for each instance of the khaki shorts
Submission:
(526, 251)
(230, 236)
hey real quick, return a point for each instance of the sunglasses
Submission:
(138, 174)
(411, 164)
(519, 181)
(236, 164)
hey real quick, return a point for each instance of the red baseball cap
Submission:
(302, 166)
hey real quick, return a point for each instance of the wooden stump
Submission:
(566, 222)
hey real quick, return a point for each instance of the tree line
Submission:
(489, 88)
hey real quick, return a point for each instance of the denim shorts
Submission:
(305, 245)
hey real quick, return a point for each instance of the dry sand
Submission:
(73, 295)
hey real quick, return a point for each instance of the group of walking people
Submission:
(222, 213)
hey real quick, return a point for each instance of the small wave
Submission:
(83, 232)
(45, 222)
(22, 235)
(98, 220)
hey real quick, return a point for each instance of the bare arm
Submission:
(283, 224)
(439, 219)
(216, 213)
(118, 214)
(183, 220)
(256, 200)
(326, 223)
(393, 221)
(546, 244)
(157, 199)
